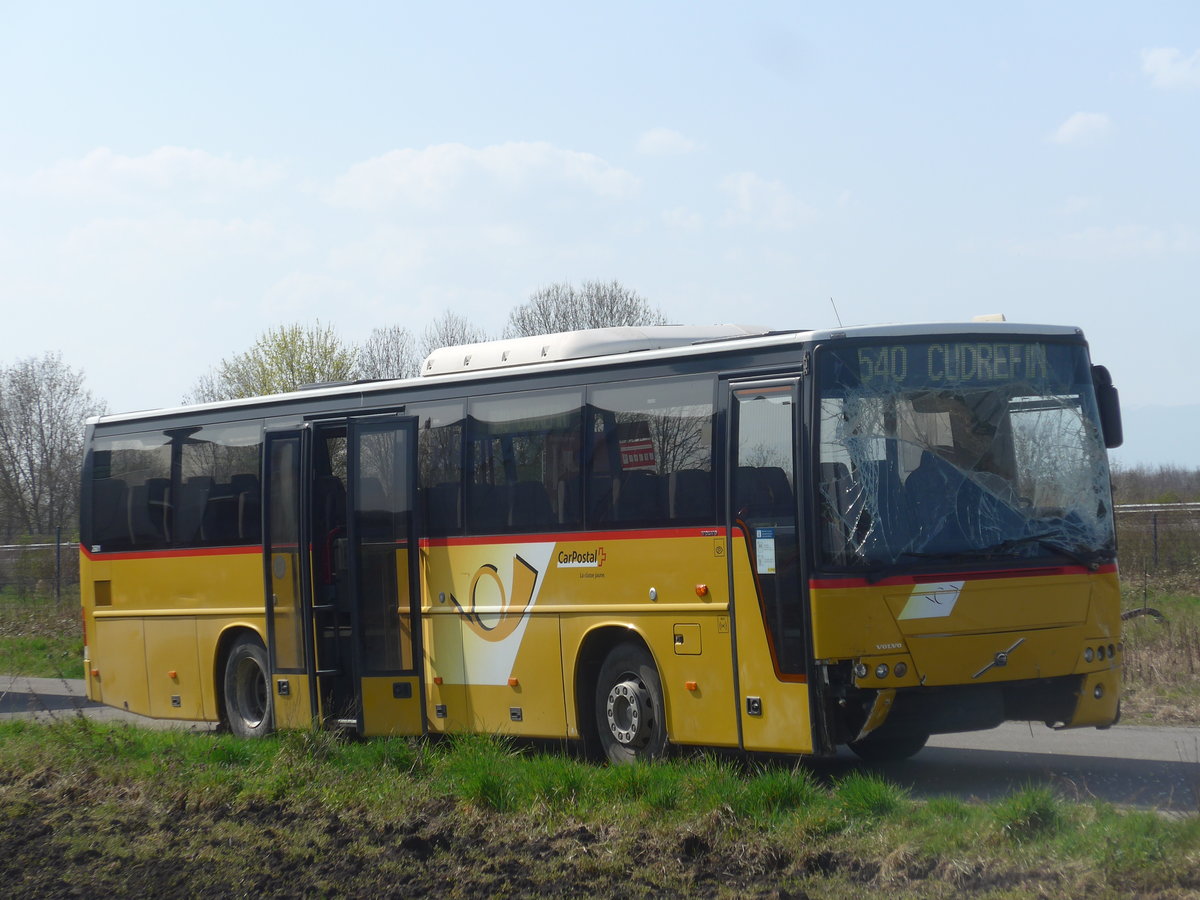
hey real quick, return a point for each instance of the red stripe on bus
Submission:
(573, 536)
(179, 553)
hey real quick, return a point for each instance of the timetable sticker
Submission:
(764, 550)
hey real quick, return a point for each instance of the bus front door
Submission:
(767, 567)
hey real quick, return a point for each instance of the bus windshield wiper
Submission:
(1005, 548)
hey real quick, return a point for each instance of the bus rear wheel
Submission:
(248, 689)
(630, 716)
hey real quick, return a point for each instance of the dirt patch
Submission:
(63, 836)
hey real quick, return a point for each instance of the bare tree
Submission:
(389, 352)
(43, 405)
(595, 304)
(282, 359)
(450, 330)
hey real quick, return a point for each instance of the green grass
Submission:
(40, 638)
(92, 806)
(1162, 657)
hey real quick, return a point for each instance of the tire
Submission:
(248, 689)
(888, 749)
(630, 715)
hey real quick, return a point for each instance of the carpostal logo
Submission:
(581, 559)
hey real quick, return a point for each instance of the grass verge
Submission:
(91, 807)
(40, 638)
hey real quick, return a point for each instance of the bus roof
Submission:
(600, 347)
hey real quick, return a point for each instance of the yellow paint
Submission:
(784, 722)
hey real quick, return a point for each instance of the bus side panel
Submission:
(776, 713)
(696, 673)
(153, 614)
(118, 653)
(173, 668)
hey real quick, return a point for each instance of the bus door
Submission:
(339, 555)
(766, 566)
(382, 575)
(287, 577)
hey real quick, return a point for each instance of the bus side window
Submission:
(439, 466)
(524, 461)
(651, 461)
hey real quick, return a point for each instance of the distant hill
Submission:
(1159, 436)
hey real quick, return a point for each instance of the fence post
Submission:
(1154, 524)
(58, 565)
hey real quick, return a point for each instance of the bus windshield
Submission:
(960, 450)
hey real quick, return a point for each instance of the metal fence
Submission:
(1158, 538)
(44, 566)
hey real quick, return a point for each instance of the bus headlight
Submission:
(1088, 654)
(881, 670)
(860, 670)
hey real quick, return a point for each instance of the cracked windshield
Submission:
(960, 450)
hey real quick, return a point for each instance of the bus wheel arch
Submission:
(622, 708)
(244, 681)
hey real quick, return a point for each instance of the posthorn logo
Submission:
(581, 559)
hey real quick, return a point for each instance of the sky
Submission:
(175, 179)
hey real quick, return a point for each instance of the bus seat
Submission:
(442, 512)
(110, 513)
(246, 489)
(193, 499)
(488, 512)
(601, 500)
(640, 497)
(220, 522)
(691, 494)
(569, 501)
(149, 509)
(531, 507)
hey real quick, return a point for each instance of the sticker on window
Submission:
(764, 550)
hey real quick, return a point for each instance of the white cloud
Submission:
(664, 142)
(683, 218)
(761, 203)
(431, 177)
(1168, 68)
(1082, 127)
(105, 175)
(170, 245)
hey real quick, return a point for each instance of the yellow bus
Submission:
(629, 537)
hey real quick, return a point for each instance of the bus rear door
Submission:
(342, 615)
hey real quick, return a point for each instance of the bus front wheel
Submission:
(630, 715)
(894, 748)
(248, 688)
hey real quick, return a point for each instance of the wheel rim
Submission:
(251, 692)
(629, 713)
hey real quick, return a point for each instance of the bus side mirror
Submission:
(1109, 403)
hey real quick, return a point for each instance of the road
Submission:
(1147, 767)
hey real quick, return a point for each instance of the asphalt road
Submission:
(1148, 767)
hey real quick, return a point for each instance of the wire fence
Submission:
(1158, 538)
(44, 566)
